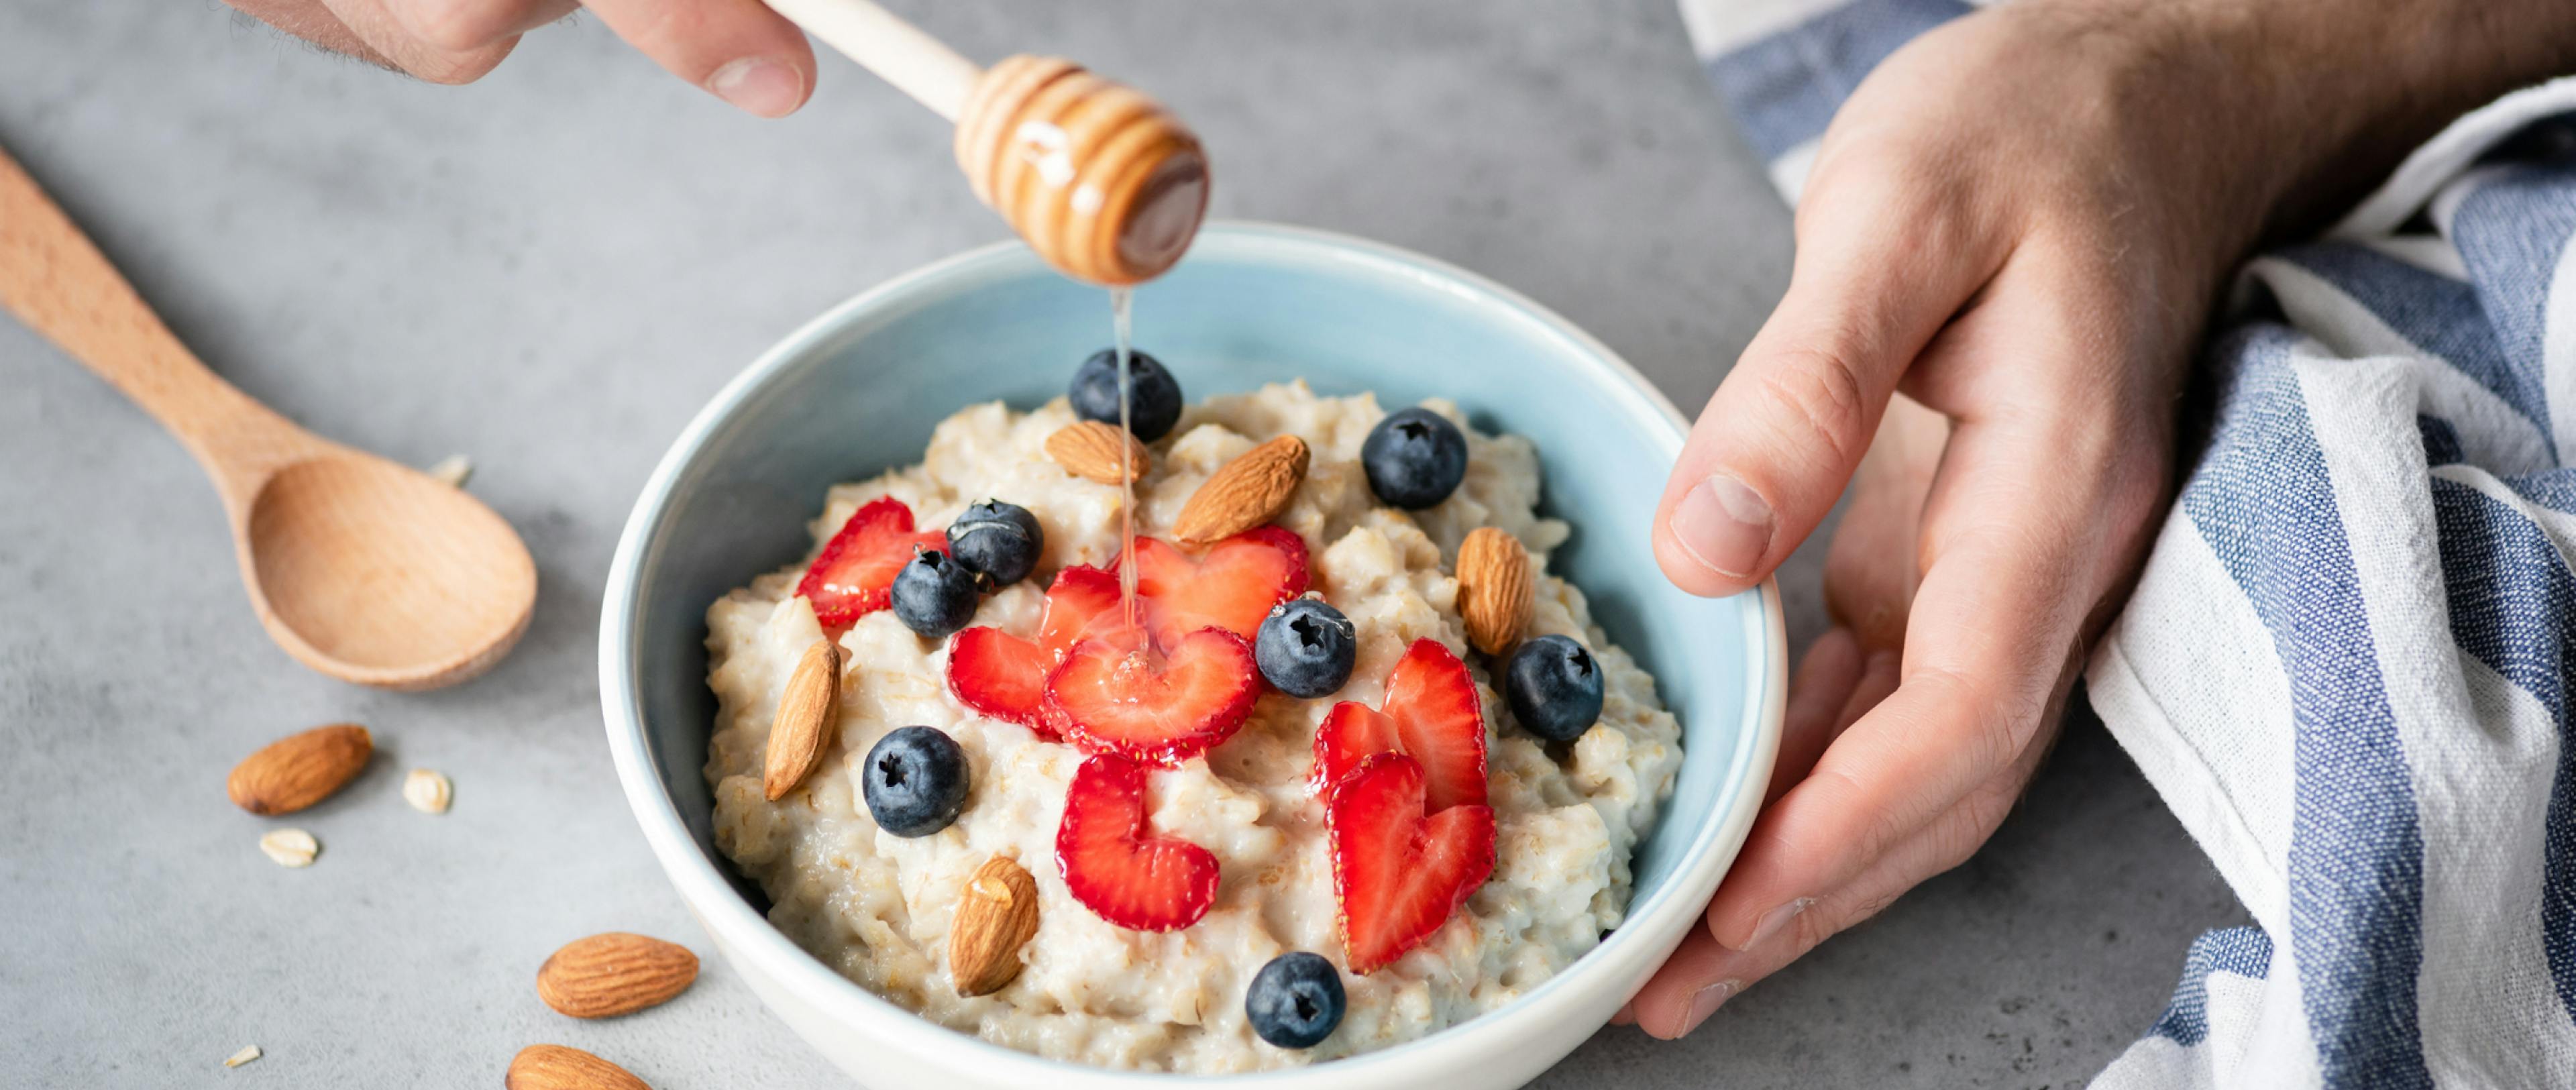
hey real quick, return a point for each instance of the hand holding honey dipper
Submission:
(1103, 182)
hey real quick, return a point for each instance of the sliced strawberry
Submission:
(852, 575)
(1398, 874)
(1004, 676)
(1079, 595)
(1230, 586)
(1114, 864)
(1351, 733)
(1430, 714)
(1118, 694)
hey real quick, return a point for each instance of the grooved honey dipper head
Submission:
(1103, 182)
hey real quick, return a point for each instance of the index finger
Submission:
(1884, 260)
(1993, 630)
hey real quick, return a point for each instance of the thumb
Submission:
(1874, 280)
(740, 50)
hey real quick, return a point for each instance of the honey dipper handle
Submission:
(55, 280)
(916, 63)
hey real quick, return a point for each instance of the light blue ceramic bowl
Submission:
(859, 389)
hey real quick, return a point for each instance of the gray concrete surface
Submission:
(549, 271)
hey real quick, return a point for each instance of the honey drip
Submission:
(1121, 305)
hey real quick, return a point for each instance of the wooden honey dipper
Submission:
(1103, 182)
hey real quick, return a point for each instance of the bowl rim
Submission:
(745, 934)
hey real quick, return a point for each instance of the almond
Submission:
(1089, 449)
(554, 1067)
(616, 973)
(1496, 592)
(1244, 493)
(997, 913)
(808, 717)
(299, 770)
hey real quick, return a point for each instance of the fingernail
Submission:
(1723, 525)
(759, 85)
(1776, 920)
(1706, 1001)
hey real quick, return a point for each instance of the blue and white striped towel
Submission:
(2350, 664)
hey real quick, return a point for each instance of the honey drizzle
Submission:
(1121, 306)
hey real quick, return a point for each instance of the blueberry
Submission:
(998, 539)
(1295, 1001)
(1414, 458)
(1554, 688)
(934, 595)
(1305, 648)
(1153, 398)
(915, 781)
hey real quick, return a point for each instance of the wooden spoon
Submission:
(1103, 182)
(362, 568)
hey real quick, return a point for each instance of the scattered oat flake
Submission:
(427, 791)
(246, 1055)
(453, 470)
(290, 847)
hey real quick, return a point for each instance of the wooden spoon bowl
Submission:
(371, 571)
(362, 568)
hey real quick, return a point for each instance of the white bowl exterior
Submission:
(888, 1048)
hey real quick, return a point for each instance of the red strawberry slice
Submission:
(1004, 676)
(1398, 874)
(1230, 586)
(851, 577)
(1351, 733)
(1115, 865)
(1116, 693)
(1430, 713)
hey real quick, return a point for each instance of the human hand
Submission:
(739, 50)
(2014, 232)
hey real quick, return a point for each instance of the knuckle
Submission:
(1905, 201)
(1965, 831)
(1891, 176)
(2003, 718)
(456, 26)
(1879, 830)
(1826, 399)
(1865, 908)
(1983, 813)
(459, 68)
(1813, 926)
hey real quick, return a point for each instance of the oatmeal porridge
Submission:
(1166, 987)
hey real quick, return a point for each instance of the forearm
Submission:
(2346, 88)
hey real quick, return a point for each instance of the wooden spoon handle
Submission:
(903, 54)
(55, 280)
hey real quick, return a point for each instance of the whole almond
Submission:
(1246, 492)
(1089, 449)
(997, 913)
(1496, 592)
(554, 1067)
(616, 973)
(808, 717)
(299, 770)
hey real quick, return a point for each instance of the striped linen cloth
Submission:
(2347, 667)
